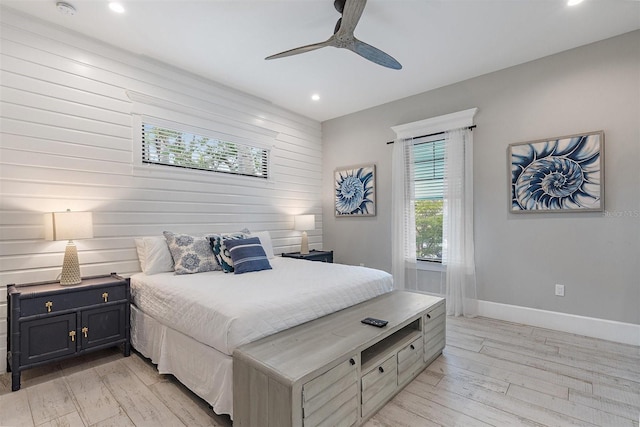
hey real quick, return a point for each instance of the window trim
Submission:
(195, 115)
(430, 126)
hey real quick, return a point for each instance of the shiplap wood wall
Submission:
(68, 141)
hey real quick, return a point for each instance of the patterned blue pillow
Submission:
(190, 254)
(247, 255)
(220, 252)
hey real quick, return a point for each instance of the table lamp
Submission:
(69, 226)
(304, 223)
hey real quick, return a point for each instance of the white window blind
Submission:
(172, 147)
(429, 169)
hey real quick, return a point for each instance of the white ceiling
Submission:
(438, 42)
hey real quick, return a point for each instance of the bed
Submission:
(190, 324)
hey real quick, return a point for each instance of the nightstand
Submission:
(313, 255)
(49, 322)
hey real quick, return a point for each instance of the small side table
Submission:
(49, 322)
(313, 255)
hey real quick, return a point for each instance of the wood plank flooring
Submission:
(491, 373)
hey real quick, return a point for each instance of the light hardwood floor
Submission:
(491, 373)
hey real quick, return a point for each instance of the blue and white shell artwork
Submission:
(355, 191)
(557, 175)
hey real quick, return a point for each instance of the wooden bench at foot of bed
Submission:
(335, 370)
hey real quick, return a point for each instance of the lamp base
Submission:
(70, 266)
(304, 244)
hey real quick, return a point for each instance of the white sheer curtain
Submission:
(403, 231)
(458, 251)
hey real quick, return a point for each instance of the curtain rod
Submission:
(431, 134)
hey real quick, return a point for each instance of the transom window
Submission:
(173, 147)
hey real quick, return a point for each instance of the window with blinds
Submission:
(171, 147)
(428, 158)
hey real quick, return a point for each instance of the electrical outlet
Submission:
(559, 290)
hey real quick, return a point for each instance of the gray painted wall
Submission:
(519, 258)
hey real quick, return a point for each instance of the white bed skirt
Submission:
(203, 369)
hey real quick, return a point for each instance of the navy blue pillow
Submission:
(247, 255)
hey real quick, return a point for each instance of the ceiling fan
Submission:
(343, 37)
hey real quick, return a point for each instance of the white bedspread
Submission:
(228, 310)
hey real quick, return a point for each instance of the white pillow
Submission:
(154, 255)
(142, 257)
(265, 241)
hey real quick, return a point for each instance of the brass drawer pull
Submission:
(72, 334)
(84, 331)
(48, 305)
(105, 296)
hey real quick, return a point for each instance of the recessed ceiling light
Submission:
(315, 97)
(65, 8)
(574, 2)
(116, 7)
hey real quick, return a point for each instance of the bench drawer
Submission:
(332, 397)
(378, 384)
(434, 317)
(410, 360)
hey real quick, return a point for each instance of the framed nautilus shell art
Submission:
(564, 174)
(355, 191)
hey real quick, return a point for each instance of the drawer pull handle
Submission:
(412, 347)
(48, 305)
(105, 296)
(428, 316)
(84, 331)
(353, 362)
(72, 334)
(381, 370)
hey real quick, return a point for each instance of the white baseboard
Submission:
(625, 333)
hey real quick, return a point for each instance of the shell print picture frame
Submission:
(355, 191)
(564, 174)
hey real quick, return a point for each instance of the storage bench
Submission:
(336, 371)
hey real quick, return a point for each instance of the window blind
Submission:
(172, 147)
(429, 169)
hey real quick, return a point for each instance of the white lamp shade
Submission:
(304, 222)
(68, 225)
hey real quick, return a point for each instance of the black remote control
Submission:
(374, 322)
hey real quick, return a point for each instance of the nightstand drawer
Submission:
(65, 301)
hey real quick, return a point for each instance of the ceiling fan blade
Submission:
(337, 27)
(374, 54)
(350, 16)
(303, 49)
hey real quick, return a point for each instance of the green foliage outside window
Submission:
(177, 148)
(429, 216)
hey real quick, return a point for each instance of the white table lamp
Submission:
(69, 226)
(304, 223)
